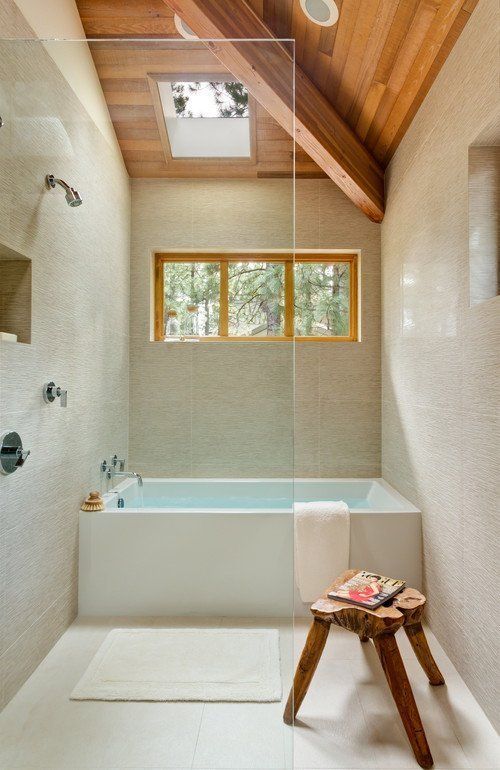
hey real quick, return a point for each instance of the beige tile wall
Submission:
(80, 325)
(227, 409)
(440, 357)
(15, 297)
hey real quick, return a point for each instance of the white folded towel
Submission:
(322, 531)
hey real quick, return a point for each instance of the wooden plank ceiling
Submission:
(374, 66)
(125, 69)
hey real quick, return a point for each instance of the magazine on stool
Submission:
(367, 589)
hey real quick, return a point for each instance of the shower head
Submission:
(73, 197)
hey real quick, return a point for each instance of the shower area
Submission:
(146, 253)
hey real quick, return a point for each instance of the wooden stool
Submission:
(380, 625)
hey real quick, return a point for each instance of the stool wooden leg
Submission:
(418, 641)
(314, 646)
(399, 684)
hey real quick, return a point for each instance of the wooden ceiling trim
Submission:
(140, 18)
(277, 14)
(437, 34)
(420, 24)
(311, 46)
(328, 35)
(265, 70)
(147, 169)
(403, 17)
(346, 25)
(369, 109)
(443, 53)
(324, 55)
(364, 29)
(149, 55)
(298, 30)
(386, 12)
(124, 85)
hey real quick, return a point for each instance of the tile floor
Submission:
(347, 722)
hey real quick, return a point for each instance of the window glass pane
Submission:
(256, 299)
(210, 100)
(206, 119)
(192, 291)
(322, 299)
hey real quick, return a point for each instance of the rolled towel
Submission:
(322, 531)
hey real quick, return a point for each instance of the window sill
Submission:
(175, 340)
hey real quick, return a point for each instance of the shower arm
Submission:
(52, 181)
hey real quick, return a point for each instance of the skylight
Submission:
(206, 119)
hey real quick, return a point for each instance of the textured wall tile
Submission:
(265, 210)
(349, 438)
(307, 436)
(440, 357)
(237, 410)
(80, 319)
(21, 659)
(307, 214)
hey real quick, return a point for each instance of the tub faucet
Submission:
(113, 473)
(110, 470)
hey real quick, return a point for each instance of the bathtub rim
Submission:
(406, 507)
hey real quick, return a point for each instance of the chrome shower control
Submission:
(51, 392)
(116, 461)
(12, 454)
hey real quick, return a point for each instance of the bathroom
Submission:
(221, 433)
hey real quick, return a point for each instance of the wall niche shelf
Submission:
(15, 294)
(484, 214)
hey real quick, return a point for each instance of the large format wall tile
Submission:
(227, 409)
(79, 338)
(440, 357)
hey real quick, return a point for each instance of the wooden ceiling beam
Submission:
(266, 69)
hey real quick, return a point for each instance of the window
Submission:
(256, 296)
(205, 117)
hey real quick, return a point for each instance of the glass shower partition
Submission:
(163, 302)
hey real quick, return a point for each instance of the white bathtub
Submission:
(225, 546)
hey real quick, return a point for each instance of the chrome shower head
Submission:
(73, 197)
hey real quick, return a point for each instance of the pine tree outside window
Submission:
(258, 296)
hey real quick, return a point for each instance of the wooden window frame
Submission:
(289, 260)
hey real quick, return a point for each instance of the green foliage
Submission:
(322, 299)
(256, 297)
(230, 99)
(256, 291)
(236, 106)
(181, 100)
(193, 283)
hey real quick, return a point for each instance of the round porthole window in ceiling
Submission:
(322, 12)
(183, 29)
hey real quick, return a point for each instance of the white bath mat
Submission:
(193, 664)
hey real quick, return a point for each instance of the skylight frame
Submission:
(210, 75)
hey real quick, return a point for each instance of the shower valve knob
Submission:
(12, 453)
(51, 391)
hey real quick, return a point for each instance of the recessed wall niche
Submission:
(15, 294)
(484, 220)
